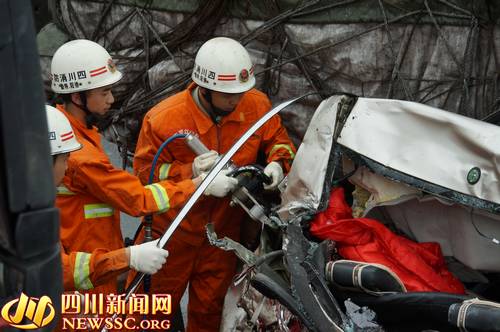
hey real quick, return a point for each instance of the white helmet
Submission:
(81, 65)
(61, 136)
(222, 64)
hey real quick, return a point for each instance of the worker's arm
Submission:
(167, 167)
(276, 143)
(124, 191)
(84, 271)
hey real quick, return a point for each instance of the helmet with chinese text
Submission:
(81, 65)
(61, 136)
(222, 64)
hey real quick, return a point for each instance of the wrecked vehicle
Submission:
(428, 175)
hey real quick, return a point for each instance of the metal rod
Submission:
(204, 184)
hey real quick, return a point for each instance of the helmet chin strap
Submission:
(214, 112)
(90, 118)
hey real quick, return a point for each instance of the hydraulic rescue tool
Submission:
(250, 179)
(219, 165)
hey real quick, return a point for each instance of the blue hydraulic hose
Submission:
(155, 160)
(148, 220)
(158, 153)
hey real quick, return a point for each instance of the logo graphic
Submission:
(244, 75)
(97, 311)
(111, 66)
(39, 311)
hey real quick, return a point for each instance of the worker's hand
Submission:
(275, 172)
(197, 180)
(221, 185)
(147, 257)
(204, 162)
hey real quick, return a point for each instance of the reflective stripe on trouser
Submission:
(82, 271)
(163, 172)
(62, 190)
(160, 196)
(97, 210)
(284, 146)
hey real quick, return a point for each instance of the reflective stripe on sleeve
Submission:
(81, 273)
(98, 210)
(62, 190)
(284, 146)
(163, 173)
(160, 196)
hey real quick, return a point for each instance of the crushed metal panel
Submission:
(311, 294)
(427, 143)
(383, 190)
(307, 176)
(425, 186)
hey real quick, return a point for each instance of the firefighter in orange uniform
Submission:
(93, 192)
(218, 107)
(104, 264)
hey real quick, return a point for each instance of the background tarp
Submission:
(443, 53)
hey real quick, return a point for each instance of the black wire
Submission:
(492, 239)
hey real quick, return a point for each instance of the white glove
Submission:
(221, 185)
(275, 172)
(204, 162)
(147, 257)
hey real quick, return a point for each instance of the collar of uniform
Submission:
(203, 121)
(200, 118)
(81, 129)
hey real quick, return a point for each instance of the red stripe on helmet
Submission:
(98, 69)
(63, 139)
(226, 77)
(98, 73)
(67, 134)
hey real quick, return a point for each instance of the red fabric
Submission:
(420, 266)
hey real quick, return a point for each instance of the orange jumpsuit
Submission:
(192, 259)
(92, 195)
(96, 268)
